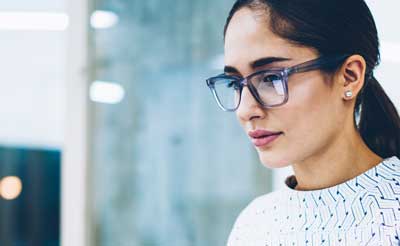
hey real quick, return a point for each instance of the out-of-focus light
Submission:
(106, 92)
(10, 187)
(35, 21)
(390, 52)
(101, 19)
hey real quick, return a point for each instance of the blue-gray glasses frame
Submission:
(277, 74)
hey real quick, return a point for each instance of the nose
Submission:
(249, 108)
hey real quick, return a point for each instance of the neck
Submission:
(343, 160)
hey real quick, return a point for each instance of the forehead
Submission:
(249, 38)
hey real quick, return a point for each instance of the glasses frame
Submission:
(318, 63)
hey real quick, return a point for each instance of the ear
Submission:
(352, 76)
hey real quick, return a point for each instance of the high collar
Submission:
(387, 171)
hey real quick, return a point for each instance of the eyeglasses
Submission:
(268, 87)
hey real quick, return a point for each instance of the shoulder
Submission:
(257, 205)
(249, 219)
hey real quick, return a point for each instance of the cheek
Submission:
(310, 117)
(306, 102)
(310, 120)
(310, 101)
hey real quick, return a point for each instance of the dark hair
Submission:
(339, 27)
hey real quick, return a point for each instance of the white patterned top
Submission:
(362, 211)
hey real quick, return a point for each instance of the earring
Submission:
(349, 94)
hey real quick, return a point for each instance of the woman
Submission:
(299, 74)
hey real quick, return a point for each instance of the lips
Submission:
(263, 137)
(262, 133)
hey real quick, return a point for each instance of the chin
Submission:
(271, 160)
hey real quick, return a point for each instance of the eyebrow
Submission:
(257, 63)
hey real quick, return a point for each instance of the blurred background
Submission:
(109, 135)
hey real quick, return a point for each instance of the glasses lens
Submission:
(270, 88)
(227, 92)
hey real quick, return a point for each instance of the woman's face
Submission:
(313, 116)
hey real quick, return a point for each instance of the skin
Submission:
(319, 138)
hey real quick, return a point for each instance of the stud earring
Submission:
(349, 94)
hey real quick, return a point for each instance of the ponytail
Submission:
(379, 124)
